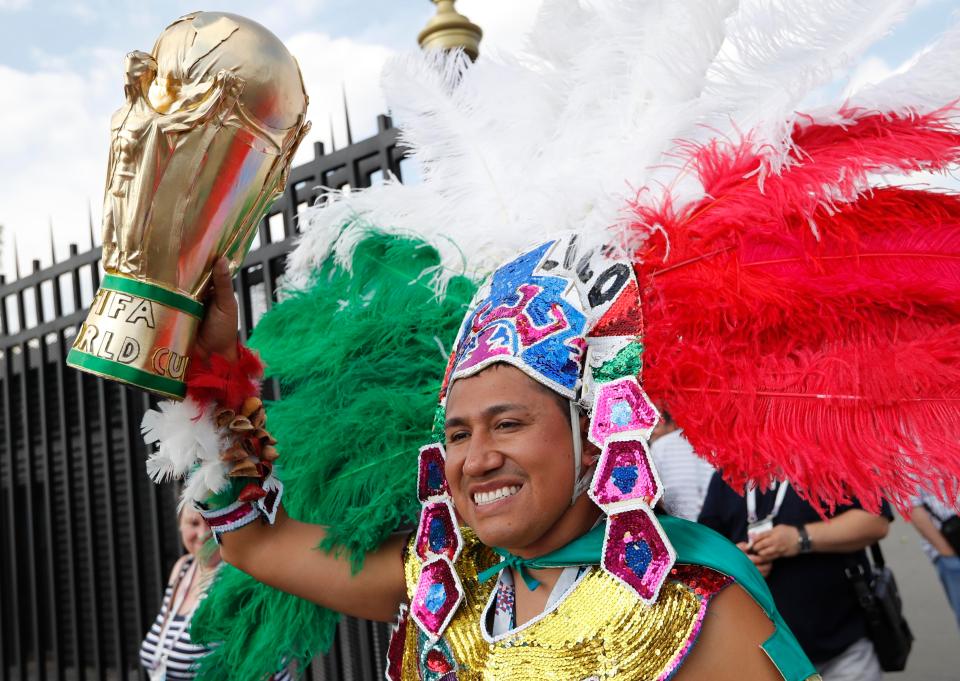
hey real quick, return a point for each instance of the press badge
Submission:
(755, 529)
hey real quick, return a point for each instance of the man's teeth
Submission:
(481, 498)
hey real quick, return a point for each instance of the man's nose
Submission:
(482, 456)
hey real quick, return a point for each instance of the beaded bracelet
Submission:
(242, 512)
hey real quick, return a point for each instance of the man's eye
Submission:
(505, 425)
(457, 437)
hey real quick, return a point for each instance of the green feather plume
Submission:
(360, 355)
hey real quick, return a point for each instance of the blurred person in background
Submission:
(685, 476)
(804, 559)
(939, 528)
(167, 653)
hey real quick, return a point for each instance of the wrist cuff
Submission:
(242, 513)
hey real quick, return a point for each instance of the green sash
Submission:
(695, 545)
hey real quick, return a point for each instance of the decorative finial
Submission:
(450, 30)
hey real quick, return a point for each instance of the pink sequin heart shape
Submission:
(621, 406)
(431, 475)
(398, 638)
(637, 552)
(438, 533)
(436, 597)
(625, 474)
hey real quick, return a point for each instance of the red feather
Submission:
(227, 384)
(807, 328)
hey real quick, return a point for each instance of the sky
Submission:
(61, 78)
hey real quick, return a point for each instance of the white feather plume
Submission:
(187, 442)
(519, 147)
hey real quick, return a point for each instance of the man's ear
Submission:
(591, 453)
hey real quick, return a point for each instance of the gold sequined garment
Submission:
(599, 630)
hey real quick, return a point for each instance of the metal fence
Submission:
(86, 541)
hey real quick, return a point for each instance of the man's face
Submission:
(509, 456)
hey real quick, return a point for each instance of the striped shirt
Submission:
(178, 653)
(684, 475)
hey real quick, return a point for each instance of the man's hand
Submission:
(783, 541)
(218, 331)
(763, 565)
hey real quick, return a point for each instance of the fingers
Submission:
(222, 285)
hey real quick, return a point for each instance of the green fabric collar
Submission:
(584, 550)
(695, 545)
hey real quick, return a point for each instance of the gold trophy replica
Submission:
(199, 151)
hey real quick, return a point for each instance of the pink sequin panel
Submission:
(437, 533)
(621, 407)
(395, 649)
(625, 473)
(436, 597)
(637, 552)
(431, 476)
(706, 583)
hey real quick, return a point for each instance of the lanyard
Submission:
(752, 501)
(179, 596)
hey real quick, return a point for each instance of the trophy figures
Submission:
(199, 151)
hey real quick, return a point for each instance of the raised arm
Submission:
(285, 555)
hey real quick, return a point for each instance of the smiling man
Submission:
(538, 554)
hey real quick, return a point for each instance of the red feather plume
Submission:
(806, 326)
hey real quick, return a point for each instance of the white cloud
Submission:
(54, 130)
(13, 5)
(505, 23)
(331, 66)
(55, 133)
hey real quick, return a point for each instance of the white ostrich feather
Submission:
(206, 479)
(187, 440)
(776, 53)
(520, 147)
(928, 83)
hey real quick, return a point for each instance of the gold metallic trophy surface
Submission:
(199, 151)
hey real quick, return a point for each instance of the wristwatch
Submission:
(803, 539)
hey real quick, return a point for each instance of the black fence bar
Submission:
(87, 540)
(13, 640)
(50, 510)
(29, 487)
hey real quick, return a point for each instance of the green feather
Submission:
(360, 357)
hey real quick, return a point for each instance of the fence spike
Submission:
(333, 143)
(16, 257)
(90, 224)
(53, 250)
(346, 113)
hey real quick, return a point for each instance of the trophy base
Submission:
(138, 333)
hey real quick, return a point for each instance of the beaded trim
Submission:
(242, 513)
